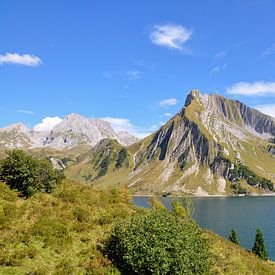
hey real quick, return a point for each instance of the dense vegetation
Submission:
(27, 174)
(59, 233)
(241, 171)
(159, 242)
(65, 232)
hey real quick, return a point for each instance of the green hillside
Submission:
(64, 233)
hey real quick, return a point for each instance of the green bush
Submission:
(27, 174)
(158, 242)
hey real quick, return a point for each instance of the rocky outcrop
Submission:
(271, 149)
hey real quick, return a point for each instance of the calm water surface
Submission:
(244, 214)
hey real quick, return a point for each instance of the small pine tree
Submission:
(233, 237)
(259, 245)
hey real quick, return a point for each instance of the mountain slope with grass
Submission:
(212, 146)
(107, 164)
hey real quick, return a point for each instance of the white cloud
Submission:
(25, 112)
(269, 51)
(170, 36)
(47, 124)
(268, 109)
(124, 124)
(120, 124)
(218, 68)
(25, 59)
(168, 102)
(257, 88)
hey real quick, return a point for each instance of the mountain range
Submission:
(73, 130)
(212, 146)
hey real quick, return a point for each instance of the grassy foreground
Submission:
(64, 233)
(228, 258)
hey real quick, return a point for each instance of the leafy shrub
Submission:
(51, 231)
(27, 174)
(158, 242)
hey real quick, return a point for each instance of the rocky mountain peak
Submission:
(20, 127)
(203, 143)
(74, 116)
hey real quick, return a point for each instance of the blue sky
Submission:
(132, 61)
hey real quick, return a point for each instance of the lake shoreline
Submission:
(204, 196)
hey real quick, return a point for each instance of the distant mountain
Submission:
(72, 131)
(212, 146)
(15, 136)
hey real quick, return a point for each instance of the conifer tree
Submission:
(233, 237)
(259, 245)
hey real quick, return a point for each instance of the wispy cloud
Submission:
(133, 75)
(25, 59)
(168, 102)
(154, 127)
(25, 111)
(240, 43)
(47, 124)
(129, 75)
(139, 67)
(167, 114)
(143, 64)
(268, 51)
(221, 55)
(218, 68)
(170, 36)
(268, 109)
(257, 88)
(124, 124)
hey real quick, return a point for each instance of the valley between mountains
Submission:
(212, 146)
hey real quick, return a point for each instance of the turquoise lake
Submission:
(245, 214)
